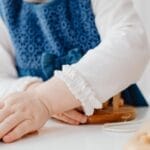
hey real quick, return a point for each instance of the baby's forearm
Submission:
(56, 96)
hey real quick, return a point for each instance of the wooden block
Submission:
(108, 115)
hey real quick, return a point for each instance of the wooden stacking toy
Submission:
(113, 110)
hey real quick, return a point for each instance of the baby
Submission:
(58, 56)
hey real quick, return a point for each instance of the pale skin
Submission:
(73, 117)
(25, 112)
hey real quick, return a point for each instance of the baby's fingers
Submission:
(75, 115)
(17, 133)
(64, 118)
(10, 123)
(4, 113)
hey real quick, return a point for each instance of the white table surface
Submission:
(59, 136)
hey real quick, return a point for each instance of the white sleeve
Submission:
(9, 81)
(113, 65)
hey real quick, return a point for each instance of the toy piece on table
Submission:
(113, 110)
(141, 139)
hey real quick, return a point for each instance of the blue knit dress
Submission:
(49, 35)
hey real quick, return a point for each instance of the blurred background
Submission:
(143, 8)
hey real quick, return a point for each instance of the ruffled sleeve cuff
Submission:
(79, 88)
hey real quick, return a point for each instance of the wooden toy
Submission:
(141, 139)
(113, 110)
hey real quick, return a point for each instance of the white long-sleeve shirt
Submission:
(117, 62)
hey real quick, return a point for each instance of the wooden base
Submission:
(109, 115)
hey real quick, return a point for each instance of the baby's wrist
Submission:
(56, 96)
(35, 89)
(44, 94)
(32, 88)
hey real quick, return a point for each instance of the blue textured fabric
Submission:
(133, 96)
(47, 36)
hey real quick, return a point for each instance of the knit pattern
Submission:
(49, 35)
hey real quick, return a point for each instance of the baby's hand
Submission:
(21, 113)
(72, 117)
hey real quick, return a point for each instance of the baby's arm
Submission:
(56, 96)
(116, 63)
(11, 83)
(28, 111)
